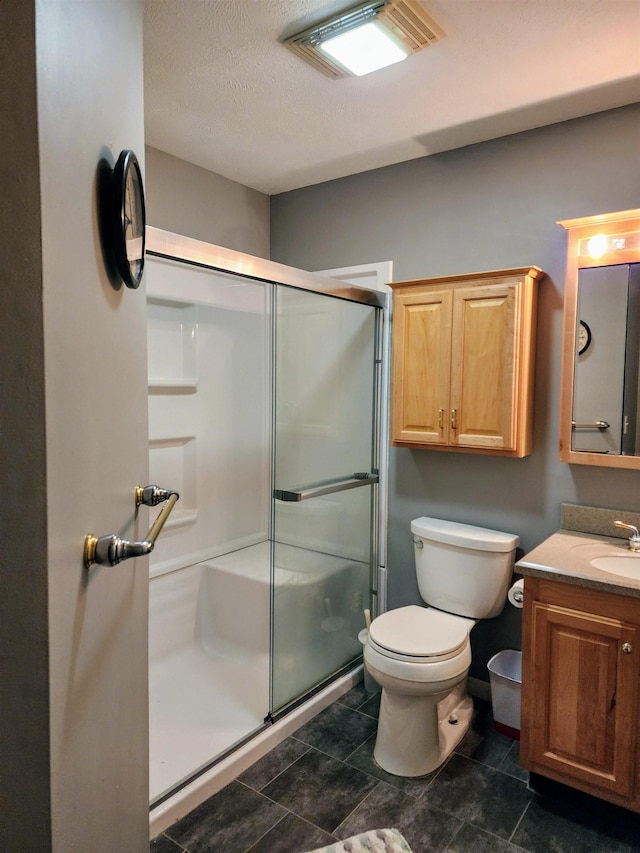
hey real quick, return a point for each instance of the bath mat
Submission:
(374, 841)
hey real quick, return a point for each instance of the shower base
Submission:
(223, 772)
(192, 719)
(209, 660)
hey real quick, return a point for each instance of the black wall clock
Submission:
(127, 218)
(584, 337)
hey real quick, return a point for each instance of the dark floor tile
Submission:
(511, 763)
(480, 795)
(483, 743)
(231, 820)
(320, 789)
(354, 698)
(363, 759)
(372, 705)
(482, 706)
(337, 730)
(162, 844)
(614, 821)
(273, 763)
(425, 827)
(291, 835)
(621, 824)
(470, 838)
(558, 827)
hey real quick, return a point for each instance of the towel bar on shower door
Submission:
(112, 549)
(326, 487)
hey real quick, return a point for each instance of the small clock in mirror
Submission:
(127, 215)
(584, 337)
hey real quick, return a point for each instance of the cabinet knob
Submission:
(454, 419)
(627, 648)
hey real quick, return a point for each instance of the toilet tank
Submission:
(463, 569)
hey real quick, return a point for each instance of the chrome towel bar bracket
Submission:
(112, 549)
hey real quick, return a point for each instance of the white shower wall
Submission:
(209, 409)
(209, 439)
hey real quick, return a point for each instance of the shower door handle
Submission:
(112, 549)
(326, 487)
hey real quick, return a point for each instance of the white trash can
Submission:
(505, 676)
(370, 684)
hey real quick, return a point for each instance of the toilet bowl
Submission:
(420, 655)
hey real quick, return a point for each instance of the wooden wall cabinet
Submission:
(581, 689)
(463, 362)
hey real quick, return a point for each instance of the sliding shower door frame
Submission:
(165, 244)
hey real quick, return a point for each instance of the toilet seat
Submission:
(419, 634)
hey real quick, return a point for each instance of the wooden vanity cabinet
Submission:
(463, 362)
(581, 689)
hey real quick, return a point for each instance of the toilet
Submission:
(420, 656)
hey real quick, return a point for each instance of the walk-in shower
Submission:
(264, 413)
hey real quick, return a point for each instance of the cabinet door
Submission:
(484, 368)
(421, 366)
(583, 689)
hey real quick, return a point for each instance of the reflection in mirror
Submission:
(605, 387)
(600, 396)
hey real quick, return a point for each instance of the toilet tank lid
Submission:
(464, 535)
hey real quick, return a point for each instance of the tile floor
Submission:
(321, 785)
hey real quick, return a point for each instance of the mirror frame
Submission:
(608, 224)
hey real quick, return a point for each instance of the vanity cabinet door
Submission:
(580, 693)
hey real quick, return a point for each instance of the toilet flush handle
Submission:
(418, 543)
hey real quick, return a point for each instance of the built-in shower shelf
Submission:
(173, 459)
(172, 329)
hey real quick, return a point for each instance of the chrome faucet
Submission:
(634, 539)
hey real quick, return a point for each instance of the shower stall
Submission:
(266, 405)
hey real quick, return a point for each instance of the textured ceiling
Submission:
(222, 92)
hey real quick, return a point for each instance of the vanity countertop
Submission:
(566, 557)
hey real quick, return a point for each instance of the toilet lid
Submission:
(420, 632)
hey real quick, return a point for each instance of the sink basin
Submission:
(624, 565)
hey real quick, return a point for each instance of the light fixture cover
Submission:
(407, 22)
(364, 49)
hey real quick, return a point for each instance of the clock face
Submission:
(584, 337)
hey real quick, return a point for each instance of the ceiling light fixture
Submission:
(367, 37)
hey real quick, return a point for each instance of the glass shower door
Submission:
(325, 492)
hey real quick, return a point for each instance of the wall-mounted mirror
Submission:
(600, 398)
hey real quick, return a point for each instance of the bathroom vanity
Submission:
(581, 664)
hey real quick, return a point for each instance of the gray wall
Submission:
(73, 644)
(188, 200)
(488, 206)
